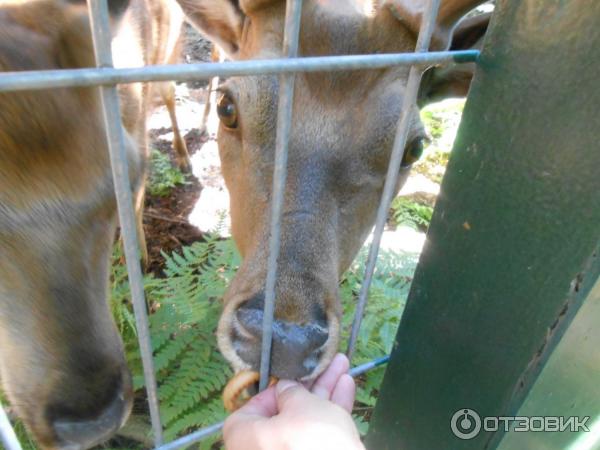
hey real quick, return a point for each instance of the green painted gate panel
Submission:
(569, 385)
(513, 244)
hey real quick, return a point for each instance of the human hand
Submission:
(290, 416)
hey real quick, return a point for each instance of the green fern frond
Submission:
(208, 414)
(186, 306)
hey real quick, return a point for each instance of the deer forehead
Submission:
(333, 27)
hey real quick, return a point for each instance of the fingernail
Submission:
(284, 385)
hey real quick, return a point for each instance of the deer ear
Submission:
(410, 14)
(219, 20)
(454, 80)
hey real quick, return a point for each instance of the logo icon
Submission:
(465, 424)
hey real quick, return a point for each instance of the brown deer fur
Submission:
(61, 357)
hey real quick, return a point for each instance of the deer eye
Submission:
(413, 152)
(227, 111)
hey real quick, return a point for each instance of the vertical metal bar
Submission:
(8, 437)
(284, 121)
(410, 98)
(99, 19)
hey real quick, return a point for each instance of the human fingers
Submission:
(238, 430)
(261, 406)
(292, 395)
(344, 392)
(325, 384)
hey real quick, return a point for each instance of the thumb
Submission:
(291, 394)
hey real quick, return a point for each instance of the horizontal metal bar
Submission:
(192, 438)
(213, 429)
(27, 80)
(359, 370)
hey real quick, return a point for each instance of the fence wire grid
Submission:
(107, 77)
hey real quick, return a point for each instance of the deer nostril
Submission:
(296, 349)
(78, 427)
(83, 434)
(249, 323)
(311, 362)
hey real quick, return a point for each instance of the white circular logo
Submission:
(465, 424)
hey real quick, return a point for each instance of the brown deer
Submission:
(343, 129)
(61, 358)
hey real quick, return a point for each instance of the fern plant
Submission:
(185, 307)
(387, 298)
(405, 211)
(163, 175)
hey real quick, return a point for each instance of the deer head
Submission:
(62, 363)
(342, 133)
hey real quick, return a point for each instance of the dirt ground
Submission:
(166, 218)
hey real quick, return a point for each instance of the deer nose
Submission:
(296, 349)
(77, 429)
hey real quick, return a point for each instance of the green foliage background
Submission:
(405, 211)
(185, 308)
(191, 373)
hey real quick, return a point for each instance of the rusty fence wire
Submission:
(107, 77)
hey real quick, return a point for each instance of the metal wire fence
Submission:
(108, 77)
